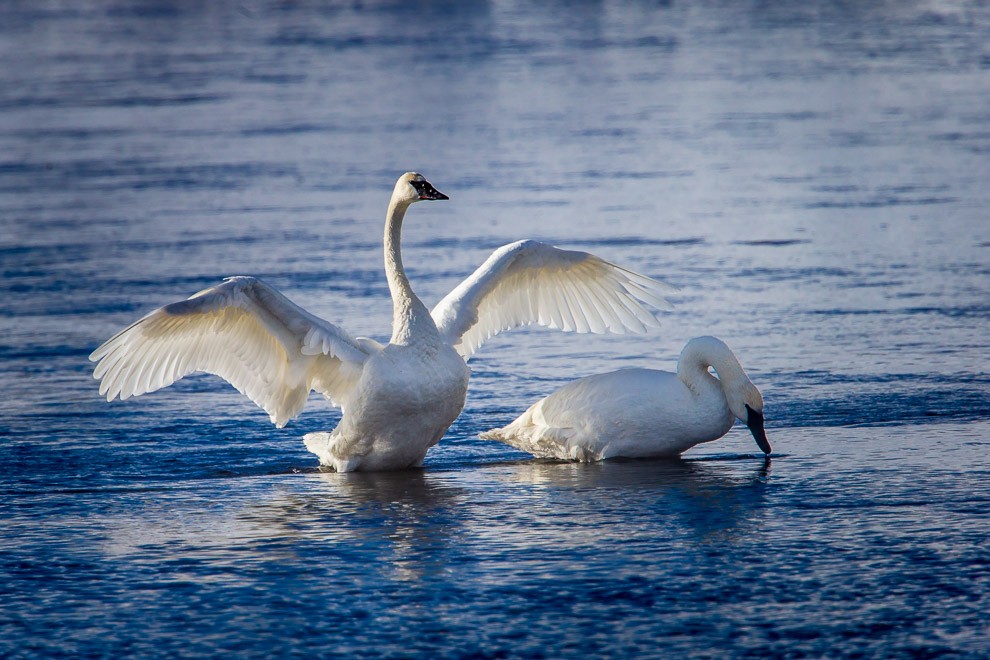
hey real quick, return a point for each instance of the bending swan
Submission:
(398, 399)
(642, 413)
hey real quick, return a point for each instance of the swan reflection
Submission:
(417, 526)
(708, 498)
(400, 522)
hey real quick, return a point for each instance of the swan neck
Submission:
(408, 311)
(698, 356)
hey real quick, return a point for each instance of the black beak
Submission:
(427, 191)
(754, 420)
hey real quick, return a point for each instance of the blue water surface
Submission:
(813, 177)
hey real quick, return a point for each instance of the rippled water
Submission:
(813, 178)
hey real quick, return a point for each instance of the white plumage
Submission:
(530, 282)
(398, 399)
(273, 351)
(642, 413)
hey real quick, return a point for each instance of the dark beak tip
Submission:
(762, 441)
(755, 425)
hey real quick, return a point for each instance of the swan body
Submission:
(407, 397)
(642, 413)
(397, 400)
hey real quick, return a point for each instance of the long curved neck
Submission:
(408, 311)
(702, 353)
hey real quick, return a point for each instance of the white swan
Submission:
(397, 400)
(642, 413)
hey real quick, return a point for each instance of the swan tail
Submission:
(498, 435)
(542, 442)
(531, 433)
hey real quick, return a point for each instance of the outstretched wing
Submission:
(531, 282)
(270, 349)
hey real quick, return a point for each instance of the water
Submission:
(813, 178)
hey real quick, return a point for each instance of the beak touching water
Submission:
(754, 420)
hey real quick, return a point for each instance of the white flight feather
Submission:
(270, 349)
(531, 282)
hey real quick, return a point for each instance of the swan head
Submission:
(746, 403)
(743, 397)
(413, 187)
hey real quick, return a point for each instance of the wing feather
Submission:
(531, 282)
(270, 349)
(571, 305)
(570, 325)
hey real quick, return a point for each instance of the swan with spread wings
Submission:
(397, 400)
